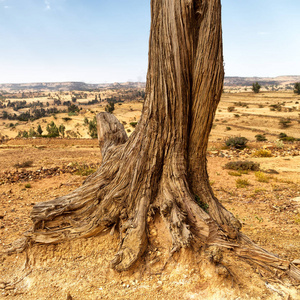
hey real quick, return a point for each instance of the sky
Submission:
(99, 41)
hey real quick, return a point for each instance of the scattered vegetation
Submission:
(230, 108)
(284, 137)
(237, 142)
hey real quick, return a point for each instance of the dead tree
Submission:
(162, 167)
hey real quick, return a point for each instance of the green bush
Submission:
(93, 128)
(133, 124)
(285, 123)
(110, 107)
(237, 142)
(261, 138)
(297, 88)
(52, 130)
(256, 87)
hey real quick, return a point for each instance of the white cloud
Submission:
(47, 3)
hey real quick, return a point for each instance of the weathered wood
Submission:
(110, 131)
(163, 163)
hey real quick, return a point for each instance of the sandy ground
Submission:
(269, 211)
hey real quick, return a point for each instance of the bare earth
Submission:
(269, 211)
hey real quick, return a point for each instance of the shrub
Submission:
(39, 130)
(237, 115)
(93, 128)
(73, 108)
(230, 108)
(242, 183)
(275, 107)
(67, 119)
(261, 138)
(110, 107)
(262, 153)
(52, 129)
(237, 142)
(27, 185)
(86, 121)
(261, 177)
(297, 88)
(25, 164)
(283, 137)
(256, 87)
(285, 123)
(279, 144)
(61, 129)
(242, 165)
(84, 170)
(133, 124)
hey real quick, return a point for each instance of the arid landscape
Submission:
(265, 199)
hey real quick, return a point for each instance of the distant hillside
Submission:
(248, 81)
(66, 86)
(82, 86)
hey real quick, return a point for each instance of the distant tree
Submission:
(297, 88)
(61, 129)
(86, 121)
(93, 128)
(110, 107)
(256, 87)
(74, 99)
(73, 108)
(39, 130)
(25, 134)
(52, 129)
(32, 132)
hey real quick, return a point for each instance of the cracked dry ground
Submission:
(269, 211)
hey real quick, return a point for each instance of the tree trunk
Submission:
(162, 166)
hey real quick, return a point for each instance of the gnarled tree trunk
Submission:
(162, 166)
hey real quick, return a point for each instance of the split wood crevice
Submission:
(162, 167)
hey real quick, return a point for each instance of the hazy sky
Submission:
(107, 40)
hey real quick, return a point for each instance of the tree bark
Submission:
(162, 166)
